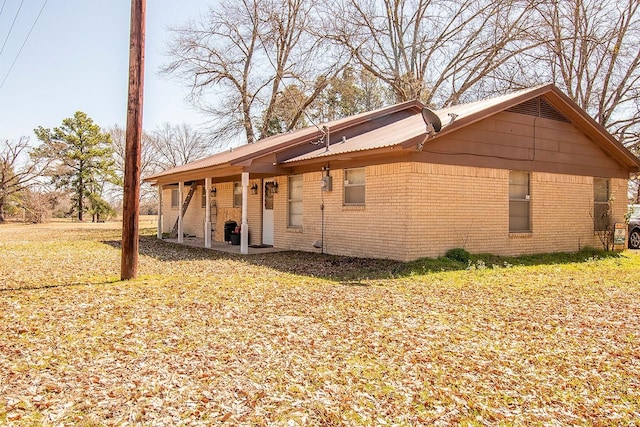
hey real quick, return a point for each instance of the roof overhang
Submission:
(268, 156)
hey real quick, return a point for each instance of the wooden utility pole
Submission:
(131, 200)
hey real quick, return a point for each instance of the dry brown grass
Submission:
(203, 338)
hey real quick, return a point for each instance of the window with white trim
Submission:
(175, 199)
(237, 194)
(295, 201)
(601, 219)
(519, 202)
(354, 187)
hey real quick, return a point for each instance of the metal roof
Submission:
(281, 141)
(411, 127)
(404, 131)
(385, 136)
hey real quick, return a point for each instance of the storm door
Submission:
(267, 212)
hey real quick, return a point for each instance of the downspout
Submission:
(322, 221)
(207, 213)
(159, 212)
(181, 201)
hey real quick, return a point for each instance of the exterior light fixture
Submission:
(275, 186)
(254, 188)
(213, 191)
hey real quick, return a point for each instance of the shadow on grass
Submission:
(428, 265)
(169, 251)
(57, 285)
(352, 271)
(348, 271)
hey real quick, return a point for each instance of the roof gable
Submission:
(551, 103)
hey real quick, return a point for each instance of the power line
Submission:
(23, 43)
(2, 8)
(15, 18)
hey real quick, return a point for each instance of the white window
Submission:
(237, 195)
(601, 219)
(175, 199)
(354, 185)
(295, 201)
(519, 202)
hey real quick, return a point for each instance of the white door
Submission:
(267, 213)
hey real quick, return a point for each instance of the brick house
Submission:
(528, 172)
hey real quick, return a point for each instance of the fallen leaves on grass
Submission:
(206, 339)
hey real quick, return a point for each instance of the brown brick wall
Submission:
(473, 212)
(377, 229)
(416, 210)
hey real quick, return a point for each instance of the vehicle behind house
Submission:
(634, 227)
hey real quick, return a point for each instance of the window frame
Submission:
(599, 223)
(290, 201)
(519, 201)
(347, 186)
(237, 203)
(175, 197)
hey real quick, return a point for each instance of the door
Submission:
(267, 213)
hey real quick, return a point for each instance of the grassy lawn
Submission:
(203, 338)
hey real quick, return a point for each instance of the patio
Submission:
(198, 242)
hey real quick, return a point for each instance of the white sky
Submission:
(77, 59)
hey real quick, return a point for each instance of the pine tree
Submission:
(82, 158)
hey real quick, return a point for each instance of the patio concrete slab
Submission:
(198, 242)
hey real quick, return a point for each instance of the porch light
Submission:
(213, 191)
(254, 188)
(275, 186)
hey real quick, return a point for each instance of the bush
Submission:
(458, 254)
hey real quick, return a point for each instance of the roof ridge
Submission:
(506, 95)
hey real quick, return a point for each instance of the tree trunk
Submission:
(80, 196)
(2, 209)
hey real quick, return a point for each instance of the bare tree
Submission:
(175, 145)
(165, 147)
(147, 163)
(246, 53)
(37, 204)
(434, 50)
(590, 50)
(18, 170)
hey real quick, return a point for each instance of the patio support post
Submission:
(159, 211)
(244, 229)
(207, 213)
(180, 201)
